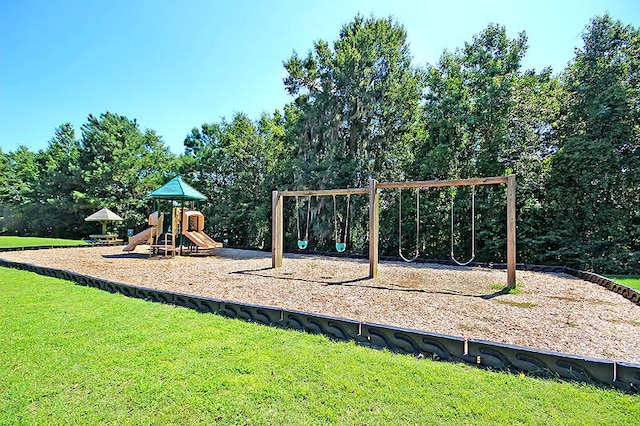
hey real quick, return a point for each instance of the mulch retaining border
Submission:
(622, 375)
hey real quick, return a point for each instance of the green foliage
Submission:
(236, 164)
(77, 355)
(368, 61)
(19, 179)
(356, 114)
(40, 196)
(357, 105)
(120, 165)
(468, 103)
(594, 183)
(362, 110)
(55, 209)
(114, 165)
(473, 97)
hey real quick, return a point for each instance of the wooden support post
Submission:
(276, 229)
(180, 236)
(511, 231)
(374, 216)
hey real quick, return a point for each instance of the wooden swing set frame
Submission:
(373, 190)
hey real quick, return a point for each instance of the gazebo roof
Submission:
(102, 215)
(176, 189)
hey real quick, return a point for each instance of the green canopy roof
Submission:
(176, 189)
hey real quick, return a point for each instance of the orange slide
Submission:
(139, 238)
(193, 224)
(202, 240)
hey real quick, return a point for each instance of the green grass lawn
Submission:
(77, 355)
(628, 280)
(7, 242)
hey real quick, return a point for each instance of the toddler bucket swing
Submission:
(409, 260)
(341, 245)
(302, 244)
(473, 228)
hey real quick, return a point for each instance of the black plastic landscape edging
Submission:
(625, 291)
(625, 376)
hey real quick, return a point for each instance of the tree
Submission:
(594, 184)
(358, 105)
(120, 165)
(470, 107)
(468, 102)
(532, 142)
(6, 193)
(20, 175)
(236, 165)
(55, 211)
(356, 115)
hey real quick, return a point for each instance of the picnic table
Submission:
(105, 238)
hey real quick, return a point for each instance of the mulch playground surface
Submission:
(554, 312)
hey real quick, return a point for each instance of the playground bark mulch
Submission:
(554, 312)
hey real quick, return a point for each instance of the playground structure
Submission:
(161, 239)
(374, 212)
(184, 233)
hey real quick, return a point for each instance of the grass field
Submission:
(78, 355)
(628, 280)
(8, 242)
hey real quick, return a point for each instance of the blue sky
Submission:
(174, 65)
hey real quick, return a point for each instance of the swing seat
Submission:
(340, 247)
(302, 244)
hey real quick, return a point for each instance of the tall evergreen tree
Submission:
(532, 142)
(471, 105)
(358, 105)
(468, 102)
(356, 116)
(20, 175)
(594, 187)
(120, 165)
(56, 212)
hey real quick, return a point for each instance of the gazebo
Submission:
(104, 216)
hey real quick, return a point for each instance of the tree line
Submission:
(362, 109)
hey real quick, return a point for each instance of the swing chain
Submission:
(306, 234)
(302, 244)
(298, 216)
(473, 228)
(341, 246)
(417, 226)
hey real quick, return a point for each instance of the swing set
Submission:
(453, 257)
(341, 245)
(374, 213)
